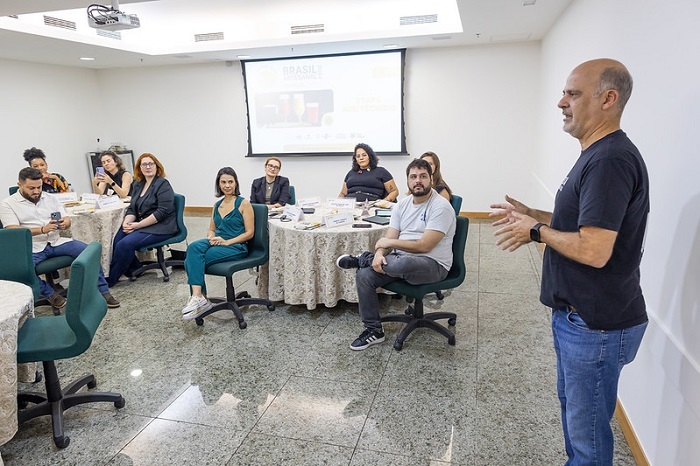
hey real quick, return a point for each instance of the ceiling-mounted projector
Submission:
(111, 19)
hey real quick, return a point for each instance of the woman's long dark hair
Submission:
(373, 159)
(226, 171)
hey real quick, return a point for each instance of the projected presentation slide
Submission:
(325, 105)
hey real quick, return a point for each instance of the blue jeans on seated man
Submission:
(589, 363)
(71, 248)
(124, 252)
(416, 270)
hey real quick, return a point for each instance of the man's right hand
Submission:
(378, 262)
(506, 210)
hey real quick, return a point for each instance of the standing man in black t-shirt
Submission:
(595, 240)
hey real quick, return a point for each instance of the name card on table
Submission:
(104, 202)
(90, 198)
(293, 213)
(310, 202)
(341, 202)
(338, 220)
(66, 197)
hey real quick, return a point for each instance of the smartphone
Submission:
(55, 216)
(100, 170)
(362, 225)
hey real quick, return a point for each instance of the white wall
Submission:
(193, 118)
(659, 42)
(50, 107)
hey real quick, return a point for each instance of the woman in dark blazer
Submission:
(150, 217)
(271, 189)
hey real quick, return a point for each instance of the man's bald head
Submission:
(611, 75)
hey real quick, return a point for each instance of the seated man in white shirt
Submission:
(31, 208)
(417, 248)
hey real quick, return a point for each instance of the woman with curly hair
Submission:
(367, 180)
(51, 182)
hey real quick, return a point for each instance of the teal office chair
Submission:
(13, 189)
(456, 202)
(258, 254)
(179, 237)
(50, 338)
(18, 266)
(414, 317)
(292, 196)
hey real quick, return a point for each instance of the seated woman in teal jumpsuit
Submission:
(232, 225)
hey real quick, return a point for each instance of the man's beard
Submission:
(420, 190)
(29, 197)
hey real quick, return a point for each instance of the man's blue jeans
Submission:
(71, 248)
(588, 370)
(416, 270)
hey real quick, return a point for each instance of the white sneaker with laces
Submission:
(193, 304)
(204, 306)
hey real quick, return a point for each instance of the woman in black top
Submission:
(366, 180)
(115, 178)
(439, 184)
(272, 189)
(150, 217)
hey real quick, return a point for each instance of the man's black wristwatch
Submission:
(535, 232)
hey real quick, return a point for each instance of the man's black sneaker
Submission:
(347, 261)
(367, 339)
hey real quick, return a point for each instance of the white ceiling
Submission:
(262, 28)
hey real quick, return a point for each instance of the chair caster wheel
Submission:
(92, 384)
(166, 279)
(121, 403)
(398, 346)
(245, 294)
(439, 295)
(451, 341)
(451, 322)
(271, 307)
(56, 311)
(199, 322)
(22, 404)
(408, 311)
(61, 442)
(132, 278)
(242, 325)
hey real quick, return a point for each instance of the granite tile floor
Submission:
(288, 390)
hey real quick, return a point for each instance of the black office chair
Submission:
(292, 196)
(414, 317)
(161, 263)
(50, 338)
(13, 189)
(258, 254)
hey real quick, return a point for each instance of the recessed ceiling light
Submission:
(391, 46)
(87, 58)
(243, 57)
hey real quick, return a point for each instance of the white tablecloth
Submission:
(101, 225)
(16, 304)
(302, 268)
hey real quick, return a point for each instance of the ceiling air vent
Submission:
(209, 36)
(109, 34)
(308, 29)
(59, 23)
(13, 16)
(420, 19)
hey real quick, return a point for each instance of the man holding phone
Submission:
(45, 216)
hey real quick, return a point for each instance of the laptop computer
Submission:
(378, 220)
